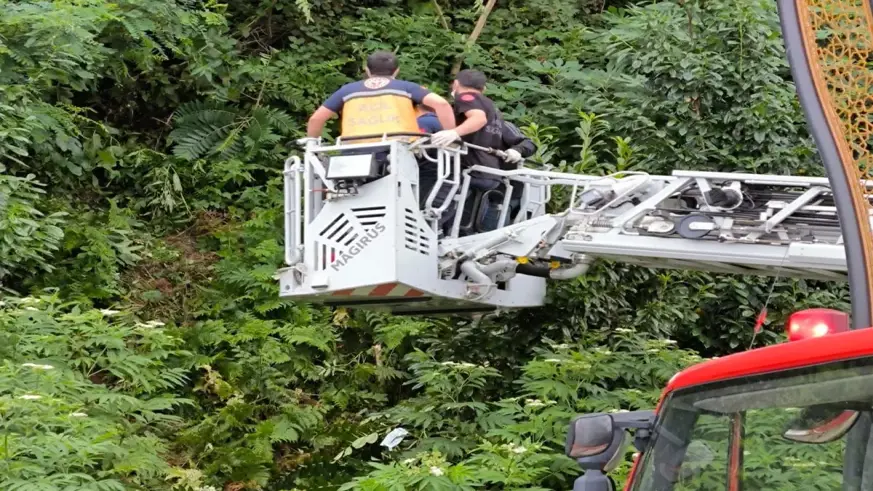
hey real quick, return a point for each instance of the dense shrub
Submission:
(141, 144)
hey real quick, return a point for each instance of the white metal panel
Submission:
(785, 229)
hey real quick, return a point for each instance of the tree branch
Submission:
(441, 15)
(471, 41)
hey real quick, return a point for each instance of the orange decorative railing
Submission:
(830, 50)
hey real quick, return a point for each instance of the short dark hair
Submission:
(382, 63)
(472, 79)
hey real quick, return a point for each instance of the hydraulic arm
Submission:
(356, 235)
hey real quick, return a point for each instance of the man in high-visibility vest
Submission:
(380, 104)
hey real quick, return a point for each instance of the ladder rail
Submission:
(800, 237)
(293, 223)
(444, 171)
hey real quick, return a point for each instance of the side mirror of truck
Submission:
(820, 424)
(597, 443)
(589, 436)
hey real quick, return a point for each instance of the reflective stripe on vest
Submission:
(378, 112)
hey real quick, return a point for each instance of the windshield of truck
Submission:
(783, 431)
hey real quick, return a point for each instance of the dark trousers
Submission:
(478, 185)
(427, 177)
(490, 211)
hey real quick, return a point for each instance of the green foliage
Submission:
(86, 399)
(516, 442)
(770, 460)
(52, 55)
(707, 84)
(212, 130)
(96, 246)
(31, 128)
(140, 149)
(27, 236)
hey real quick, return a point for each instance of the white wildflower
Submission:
(207, 488)
(652, 350)
(534, 403)
(467, 365)
(624, 330)
(511, 447)
(31, 309)
(408, 461)
(29, 300)
(108, 312)
(37, 367)
(2, 304)
(562, 346)
(30, 397)
(436, 471)
(668, 341)
(552, 360)
(78, 415)
(448, 363)
(149, 324)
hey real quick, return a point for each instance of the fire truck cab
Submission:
(791, 416)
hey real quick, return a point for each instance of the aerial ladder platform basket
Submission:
(357, 234)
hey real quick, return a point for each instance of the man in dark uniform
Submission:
(517, 147)
(479, 123)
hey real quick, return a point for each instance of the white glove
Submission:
(444, 138)
(308, 142)
(513, 156)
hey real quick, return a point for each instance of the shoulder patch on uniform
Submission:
(376, 82)
(467, 97)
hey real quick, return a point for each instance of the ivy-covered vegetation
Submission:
(143, 343)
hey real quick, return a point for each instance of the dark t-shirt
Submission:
(429, 123)
(491, 135)
(372, 87)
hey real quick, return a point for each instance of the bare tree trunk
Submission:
(471, 41)
(441, 15)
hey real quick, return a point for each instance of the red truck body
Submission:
(781, 417)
